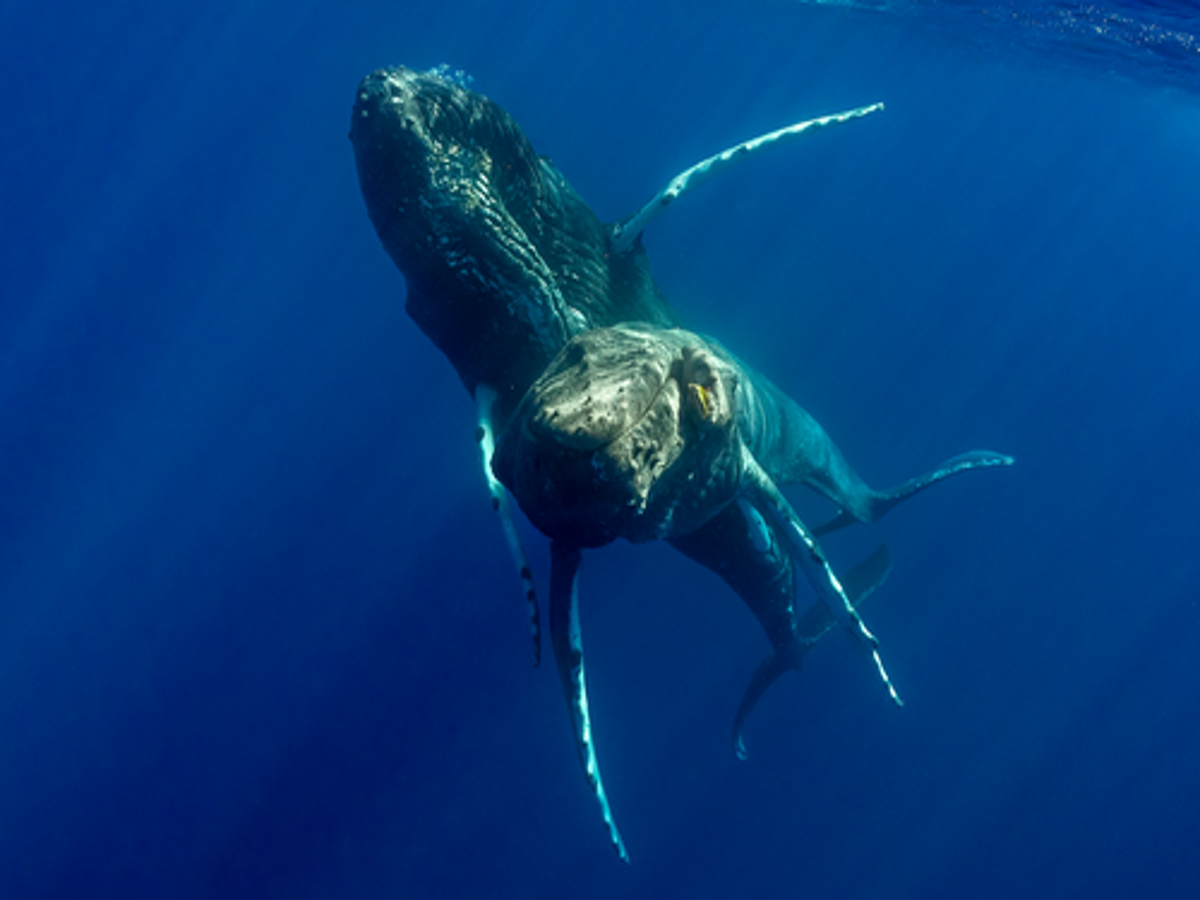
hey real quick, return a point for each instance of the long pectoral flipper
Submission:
(485, 398)
(811, 560)
(625, 233)
(568, 653)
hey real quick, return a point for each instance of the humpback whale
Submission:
(597, 411)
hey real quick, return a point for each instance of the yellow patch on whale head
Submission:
(704, 399)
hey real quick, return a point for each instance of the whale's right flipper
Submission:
(859, 583)
(810, 559)
(881, 502)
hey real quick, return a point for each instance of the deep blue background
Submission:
(259, 635)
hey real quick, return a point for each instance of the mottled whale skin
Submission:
(608, 420)
(502, 260)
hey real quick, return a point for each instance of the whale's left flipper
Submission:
(485, 399)
(625, 233)
(880, 502)
(568, 653)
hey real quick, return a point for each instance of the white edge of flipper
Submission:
(811, 559)
(567, 639)
(485, 399)
(626, 232)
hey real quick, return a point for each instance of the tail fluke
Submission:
(882, 502)
(764, 676)
(859, 583)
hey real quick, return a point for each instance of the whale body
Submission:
(598, 412)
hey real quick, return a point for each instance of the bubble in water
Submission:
(458, 76)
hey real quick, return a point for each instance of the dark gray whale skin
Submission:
(507, 270)
(503, 261)
(642, 433)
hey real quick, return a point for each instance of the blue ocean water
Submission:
(259, 635)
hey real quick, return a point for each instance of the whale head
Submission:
(631, 432)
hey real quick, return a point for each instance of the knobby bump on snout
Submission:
(629, 433)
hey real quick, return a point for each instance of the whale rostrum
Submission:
(596, 411)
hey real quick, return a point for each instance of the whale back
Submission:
(502, 259)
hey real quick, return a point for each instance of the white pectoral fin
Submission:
(485, 399)
(809, 557)
(566, 637)
(626, 232)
